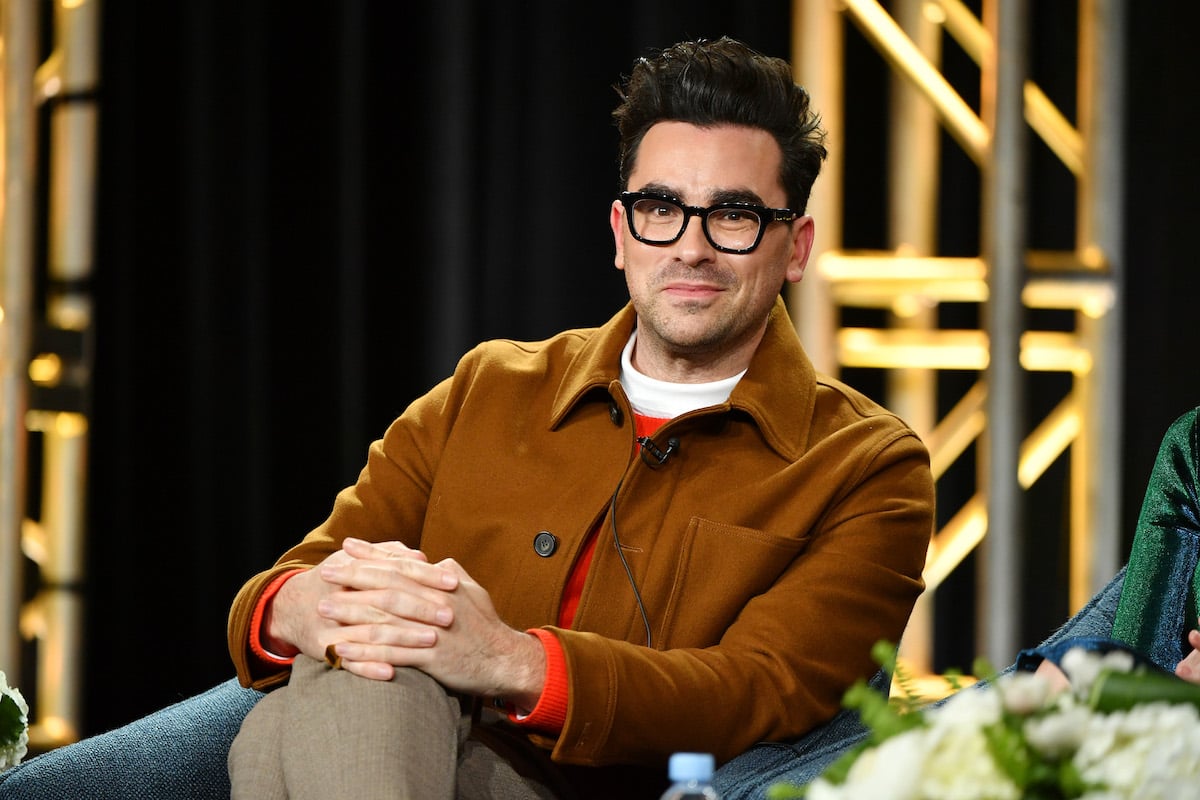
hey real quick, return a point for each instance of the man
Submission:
(664, 534)
(575, 557)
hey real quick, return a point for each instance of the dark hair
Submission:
(718, 82)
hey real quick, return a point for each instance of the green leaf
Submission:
(784, 791)
(883, 653)
(1121, 691)
(1008, 748)
(11, 726)
(1072, 783)
(880, 716)
(984, 670)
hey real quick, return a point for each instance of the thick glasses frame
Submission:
(765, 217)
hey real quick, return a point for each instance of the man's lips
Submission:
(692, 289)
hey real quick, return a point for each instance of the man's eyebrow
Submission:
(662, 189)
(736, 196)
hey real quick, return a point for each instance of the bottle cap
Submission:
(691, 767)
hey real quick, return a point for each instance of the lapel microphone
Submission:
(651, 453)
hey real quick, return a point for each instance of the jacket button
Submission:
(545, 543)
(614, 413)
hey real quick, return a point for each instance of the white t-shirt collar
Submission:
(664, 399)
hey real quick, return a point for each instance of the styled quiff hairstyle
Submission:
(708, 83)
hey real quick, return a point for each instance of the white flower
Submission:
(972, 707)
(1151, 751)
(960, 767)
(14, 725)
(1024, 692)
(1059, 733)
(1084, 666)
(892, 770)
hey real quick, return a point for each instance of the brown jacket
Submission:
(782, 540)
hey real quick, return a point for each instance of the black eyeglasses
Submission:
(729, 227)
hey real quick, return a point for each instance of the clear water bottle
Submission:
(691, 777)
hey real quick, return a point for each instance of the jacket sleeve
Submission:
(387, 503)
(1155, 612)
(783, 666)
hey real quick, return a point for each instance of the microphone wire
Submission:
(637, 595)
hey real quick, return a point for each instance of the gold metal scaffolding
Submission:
(910, 280)
(45, 363)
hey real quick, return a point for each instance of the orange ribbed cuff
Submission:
(266, 658)
(550, 713)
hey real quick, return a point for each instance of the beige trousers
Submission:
(331, 734)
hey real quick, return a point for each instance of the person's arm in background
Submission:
(1153, 612)
(1158, 597)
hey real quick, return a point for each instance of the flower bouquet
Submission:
(1116, 733)
(14, 725)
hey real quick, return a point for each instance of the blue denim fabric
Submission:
(752, 773)
(178, 752)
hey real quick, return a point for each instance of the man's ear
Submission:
(802, 242)
(616, 220)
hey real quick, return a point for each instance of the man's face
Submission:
(702, 312)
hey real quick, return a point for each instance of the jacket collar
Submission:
(778, 390)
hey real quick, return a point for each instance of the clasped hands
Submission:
(382, 605)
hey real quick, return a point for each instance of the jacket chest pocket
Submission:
(720, 568)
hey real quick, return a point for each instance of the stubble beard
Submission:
(682, 332)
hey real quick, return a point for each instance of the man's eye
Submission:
(734, 216)
(657, 209)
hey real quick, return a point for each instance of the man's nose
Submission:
(693, 241)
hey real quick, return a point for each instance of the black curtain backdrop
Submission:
(308, 212)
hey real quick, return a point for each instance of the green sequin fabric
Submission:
(1158, 601)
